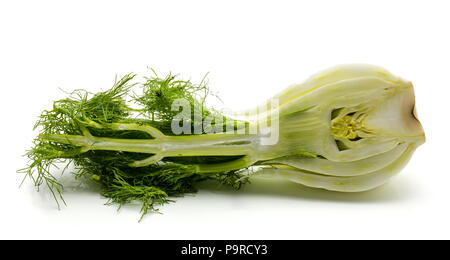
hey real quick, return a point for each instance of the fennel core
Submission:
(349, 128)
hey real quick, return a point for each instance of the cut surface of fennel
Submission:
(358, 119)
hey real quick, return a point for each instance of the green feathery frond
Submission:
(104, 114)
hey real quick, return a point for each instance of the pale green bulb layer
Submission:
(358, 120)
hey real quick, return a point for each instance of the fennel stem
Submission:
(218, 144)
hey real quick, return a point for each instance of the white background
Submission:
(252, 49)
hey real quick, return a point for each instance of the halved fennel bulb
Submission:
(349, 128)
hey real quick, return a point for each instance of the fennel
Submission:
(349, 128)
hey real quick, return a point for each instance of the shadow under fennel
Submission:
(393, 191)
